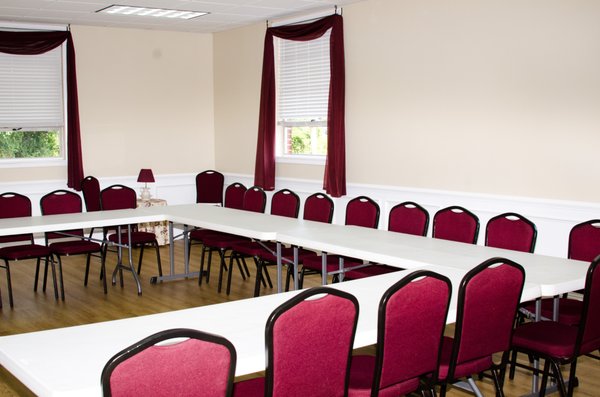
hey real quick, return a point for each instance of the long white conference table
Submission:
(68, 361)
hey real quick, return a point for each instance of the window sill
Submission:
(31, 163)
(299, 159)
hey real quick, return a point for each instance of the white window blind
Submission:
(31, 90)
(303, 73)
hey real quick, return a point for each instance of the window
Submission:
(302, 71)
(31, 108)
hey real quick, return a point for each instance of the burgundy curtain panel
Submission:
(35, 43)
(334, 181)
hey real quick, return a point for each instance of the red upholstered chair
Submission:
(457, 224)
(318, 207)
(511, 231)
(408, 218)
(69, 242)
(360, 211)
(559, 344)
(22, 246)
(118, 197)
(90, 187)
(255, 200)
(411, 321)
(162, 364)
(283, 203)
(234, 198)
(209, 187)
(494, 286)
(308, 346)
(584, 245)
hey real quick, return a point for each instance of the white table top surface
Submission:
(555, 275)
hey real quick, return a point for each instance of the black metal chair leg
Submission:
(37, 272)
(268, 277)
(572, 378)
(222, 266)
(141, 257)
(259, 277)
(241, 264)
(202, 266)
(8, 281)
(231, 258)
(54, 277)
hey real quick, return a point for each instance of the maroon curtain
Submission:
(334, 181)
(35, 43)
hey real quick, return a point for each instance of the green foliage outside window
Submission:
(29, 144)
(302, 140)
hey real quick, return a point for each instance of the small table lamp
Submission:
(145, 176)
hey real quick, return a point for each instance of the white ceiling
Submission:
(224, 14)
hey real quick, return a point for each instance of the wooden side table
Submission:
(160, 229)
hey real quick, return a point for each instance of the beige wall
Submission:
(146, 97)
(497, 97)
(237, 66)
(145, 100)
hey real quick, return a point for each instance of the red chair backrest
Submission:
(234, 196)
(412, 317)
(202, 365)
(409, 218)
(511, 231)
(90, 187)
(285, 203)
(309, 344)
(589, 330)
(209, 187)
(15, 205)
(456, 224)
(495, 286)
(61, 202)
(255, 200)
(118, 197)
(319, 208)
(584, 241)
(362, 211)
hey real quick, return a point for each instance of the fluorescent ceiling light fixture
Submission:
(151, 12)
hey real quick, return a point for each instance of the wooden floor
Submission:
(39, 311)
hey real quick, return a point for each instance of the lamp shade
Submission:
(145, 175)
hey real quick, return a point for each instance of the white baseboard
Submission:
(553, 218)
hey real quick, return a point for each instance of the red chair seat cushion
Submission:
(249, 388)
(462, 369)
(223, 240)
(200, 234)
(361, 380)
(373, 270)
(74, 247)
(26, 251)
(547, 337)
(136, 238)
(288, 253)
(247, 248)
(314, 263)
(569, 310)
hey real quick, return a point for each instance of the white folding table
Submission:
(69, 361)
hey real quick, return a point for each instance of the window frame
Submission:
(280, 127)
(38, 162)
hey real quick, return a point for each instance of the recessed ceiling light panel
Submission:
(150, 12)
